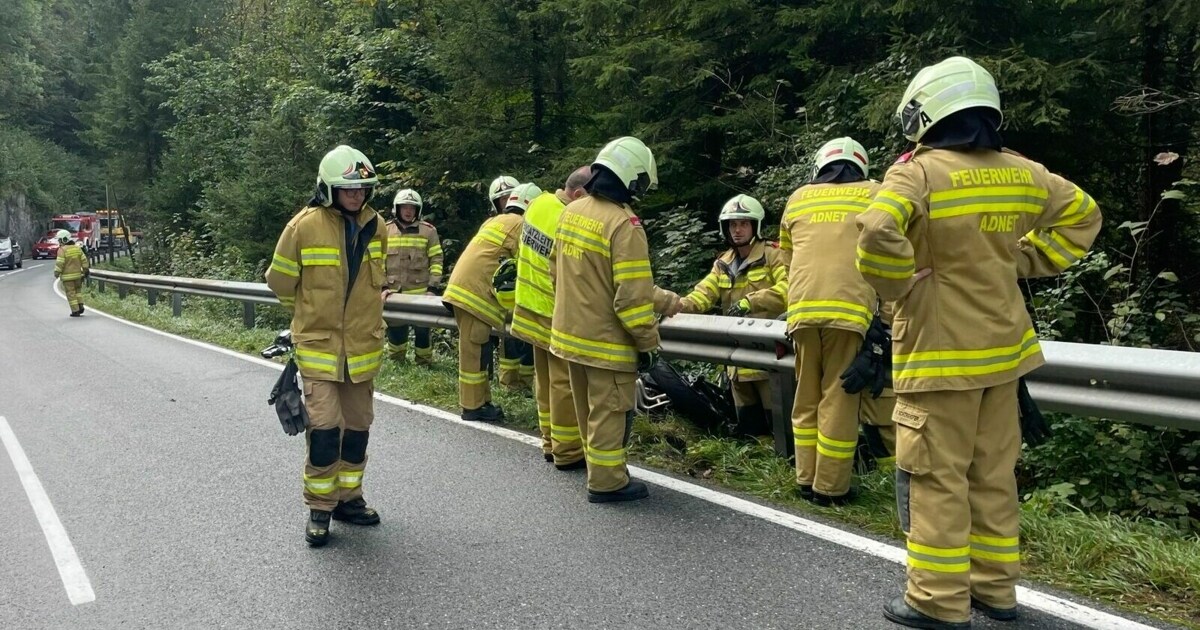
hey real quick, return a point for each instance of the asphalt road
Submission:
(181, 499)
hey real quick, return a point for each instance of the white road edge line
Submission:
(74, 578)
(13, 273)
(1049, 604)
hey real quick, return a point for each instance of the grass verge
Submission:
(1137, 565)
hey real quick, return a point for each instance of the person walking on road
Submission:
(71, 267)
(954, 226)
(328, 269)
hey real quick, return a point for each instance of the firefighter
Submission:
(414, 267)
(471, 298)
(829, 310)
(516, 356)
(329, 270)
(71, 267)
(747, 280)
(531, 322)
(604, 320)
(956, 223)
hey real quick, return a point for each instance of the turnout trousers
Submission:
(604, 407)
(956, 491)
(824, 417)
(474, 360)
(340, 415)
(556, 408)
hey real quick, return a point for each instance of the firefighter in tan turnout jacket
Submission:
(328, 268)
(747, 280)
(830, 308)
(71, 267)
(414, 267)
(476, 310)
(604, 321)
(956, 223)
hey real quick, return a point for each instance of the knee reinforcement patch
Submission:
(354, 446)
(323, 447)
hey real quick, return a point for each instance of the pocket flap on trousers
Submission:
(910, 415)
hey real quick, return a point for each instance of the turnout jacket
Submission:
(470, 286)
(414, 257)
(338, 329)
(818, 229)
(979, 220)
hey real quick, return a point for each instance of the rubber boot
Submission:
(487, 413)
(317, 531)
(898, 611)
(355, 512)
(632, 491)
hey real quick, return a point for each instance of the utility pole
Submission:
(108, 218)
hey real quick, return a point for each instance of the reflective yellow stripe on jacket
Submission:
(829, 309)
(951, 363)
(603, 350)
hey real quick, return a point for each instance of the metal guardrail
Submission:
(1154, 387)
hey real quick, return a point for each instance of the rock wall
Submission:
(16, 219)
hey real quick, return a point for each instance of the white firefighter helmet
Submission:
(741, 207)
(841, 149)
(344, 167)
(632, 162)
(501, 186)
(943, 89)
(408, 197)
(63, 237)
(520, 197)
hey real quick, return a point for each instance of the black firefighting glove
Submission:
(1034, 428)
(740, 309)
(871, 365)
(647, 360)
(288, 401)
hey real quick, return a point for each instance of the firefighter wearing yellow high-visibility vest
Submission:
(956, 223)
(604, 320)
(328, 269)
(473, 301)
(747, 280)
(414, 267)
(829, 310)
(71, 267)
(532, 322)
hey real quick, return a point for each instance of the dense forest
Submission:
(207, 120)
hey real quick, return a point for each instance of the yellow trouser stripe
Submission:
(472, 378)
(804, 437)
(941, 560)
(996, 549)
(837, 449)
(319, 485)
(349, 479)
(564, 432)
(598, 457)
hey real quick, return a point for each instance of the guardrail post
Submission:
(248, 314)
(100, 286)
(783, 395)
(151, 296)
(176, 304)
(122, 291)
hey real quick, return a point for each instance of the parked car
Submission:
(47, 247)
(10, 252)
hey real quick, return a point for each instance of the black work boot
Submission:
(355, 512)
(824, 500)
(579, 464)
(999, 614)
(487, 413)
(76, 313)
(898, 611)
(548, 457)
(632, 491)
(317, 531)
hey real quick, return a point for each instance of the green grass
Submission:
(1141, 566)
